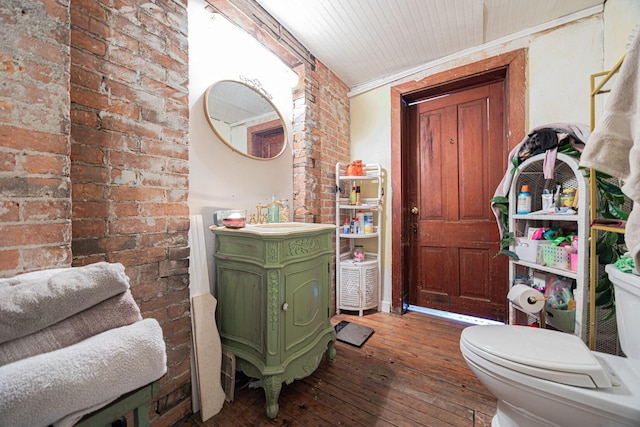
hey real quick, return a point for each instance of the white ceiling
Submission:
(363, 41)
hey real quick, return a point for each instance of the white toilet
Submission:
(545, 378)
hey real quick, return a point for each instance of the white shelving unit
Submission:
(566, 173)
(358, 282)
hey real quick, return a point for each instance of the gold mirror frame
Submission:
(243, 116)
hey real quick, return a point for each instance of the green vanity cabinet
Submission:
(273, 287)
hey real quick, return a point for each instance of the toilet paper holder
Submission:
(533, 300)
(528, 300)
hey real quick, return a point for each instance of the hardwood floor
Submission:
(409, 373)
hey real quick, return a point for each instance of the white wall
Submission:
(220, 178)
(560, 63)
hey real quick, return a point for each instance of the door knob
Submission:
(285, 306)
(414, 210)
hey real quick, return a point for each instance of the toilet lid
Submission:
(543, 353)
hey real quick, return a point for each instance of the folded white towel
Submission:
(47, 388)
(115, 312)
(33, 301)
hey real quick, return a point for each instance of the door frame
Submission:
(515, 98)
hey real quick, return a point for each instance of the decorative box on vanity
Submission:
(273, 286)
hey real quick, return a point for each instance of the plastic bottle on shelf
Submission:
(360, 217)
(524, 201)
(368, 222)
(346, 229)
(352, 196)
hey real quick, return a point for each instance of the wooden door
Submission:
(265, 140)
(459, 150)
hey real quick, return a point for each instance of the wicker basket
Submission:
(553, 256)
(358, 282)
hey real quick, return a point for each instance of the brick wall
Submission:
(94, 154)
(320, 140)
(129, 164)
(35, 186)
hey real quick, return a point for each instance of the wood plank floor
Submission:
(409, 373)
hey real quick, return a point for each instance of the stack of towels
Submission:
(72, 340)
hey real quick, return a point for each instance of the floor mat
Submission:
(352, 333)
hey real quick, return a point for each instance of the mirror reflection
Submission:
(243, 116)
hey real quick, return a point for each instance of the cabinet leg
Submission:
(331, 351)
(272, 385)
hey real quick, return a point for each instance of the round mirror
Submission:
(243, 117)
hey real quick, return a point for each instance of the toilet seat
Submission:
(542, 353)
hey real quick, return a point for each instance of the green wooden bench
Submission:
(136, 401)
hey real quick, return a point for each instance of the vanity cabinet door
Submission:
(242, 296)
(306, 295)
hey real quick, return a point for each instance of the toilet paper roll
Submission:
(527, 298)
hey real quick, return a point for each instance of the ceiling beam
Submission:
(255, 20)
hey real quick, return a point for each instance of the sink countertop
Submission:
(277, 228)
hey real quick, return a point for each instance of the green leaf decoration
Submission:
(618, 213)
(503, 209)
(603, 284)
(508, 253)
(500, 199)
(606, 256)
(604, 298)
(610, 238)
(611, 314)
(607, 187)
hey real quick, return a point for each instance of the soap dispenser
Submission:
(273, 211)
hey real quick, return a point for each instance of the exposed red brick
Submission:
(90, 154)
(89, 173)
(85, 118)
(28, 234)
(91, 209)
(88, 43)
(89, 228)
(87, 191)
(148, 290)
(139, 257)
(141, 194)
(28, 139)
(7, 161)
(42, 257)
(45, 210)
(36, 164)
(137, 225)
(88, 8)
(121, 209)
(9, 262)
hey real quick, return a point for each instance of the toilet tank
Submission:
(627, 292)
